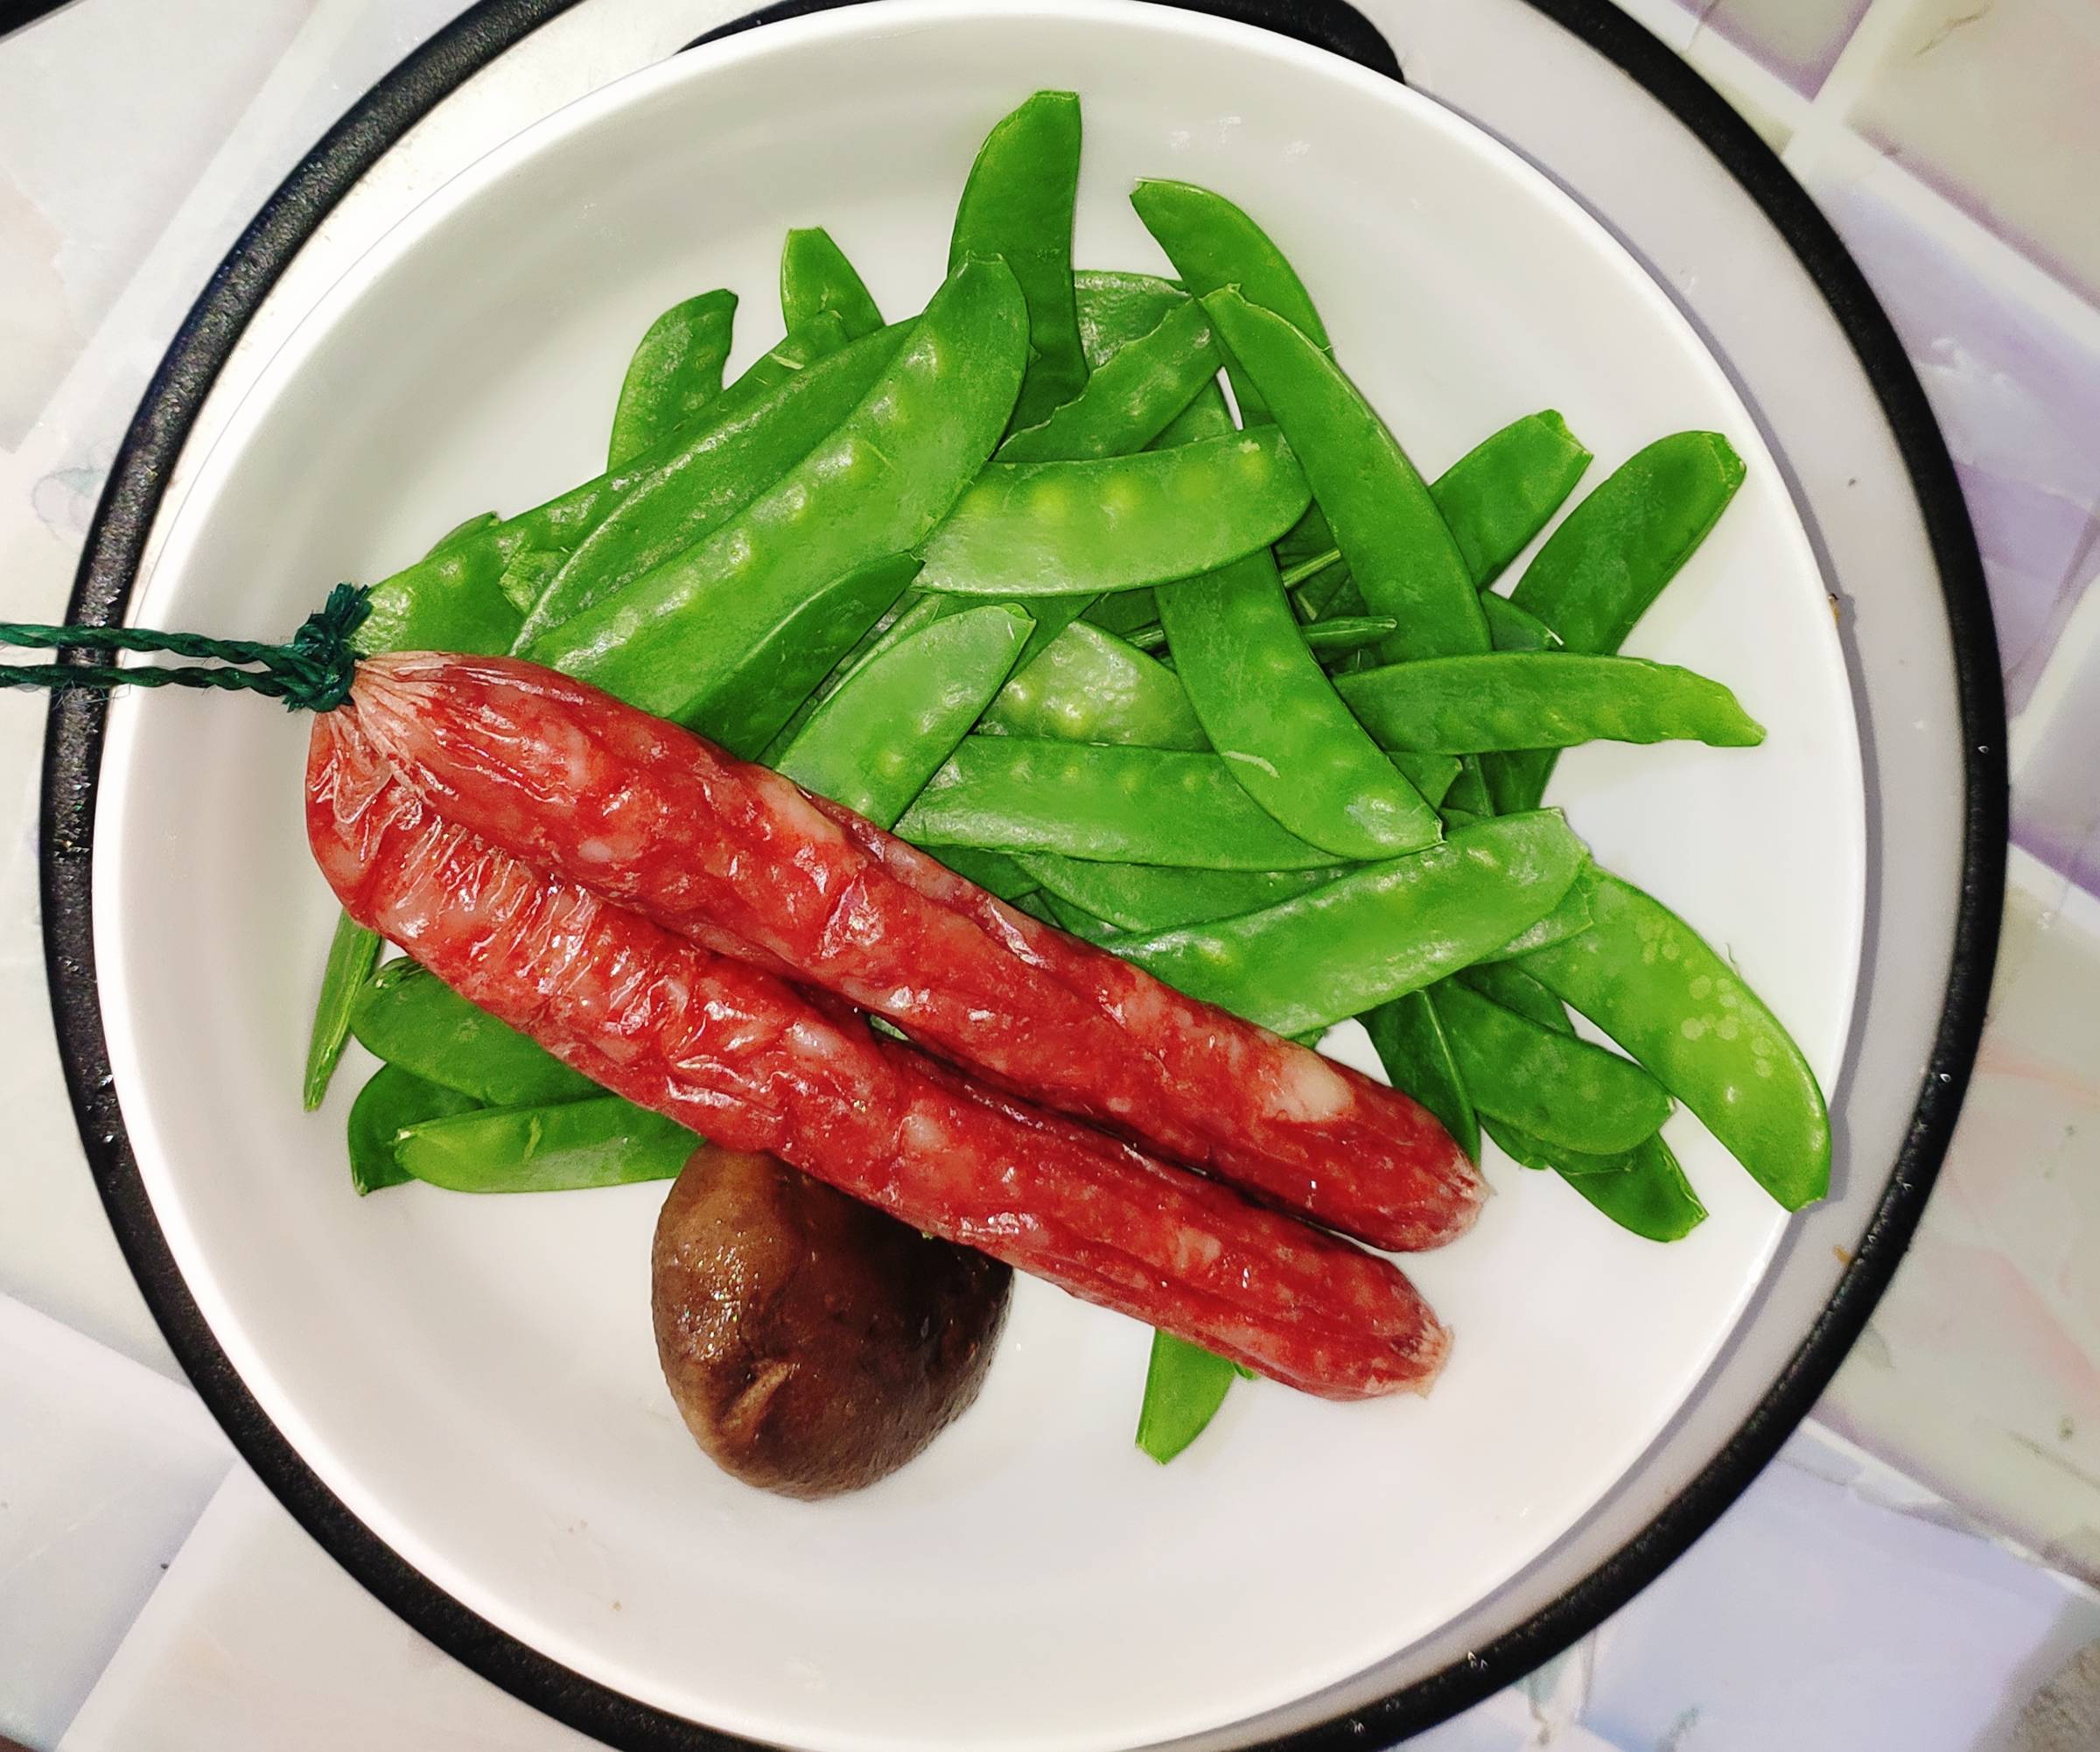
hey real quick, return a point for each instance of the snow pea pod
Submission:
(1124, 613)
(801, 347)
(1154, 897)
(412, 1019)
(1612, 556)
(711, 479)
(1213, 244)
(1558, 1088)
(992, 871)
(1647, 979)
(1513, 630)
(1271, 711)
(675, 372)
(352, 953)
(452, 600)
(1506, 983)
(815, 277)
(1344, 634)
(1463, 705)
(603, 1142)
(1130, 398)
(1116, 308)
(1642, 1189)
(1089, 686)
(1494, 499)
(1079, 921)
(1056, 529)
(1184, 1386)
(1384, 520)
(1016, 207)
(1375, 932)
(1085, 800)
(731, 634)
(1570, 917)
(529, 573)
(1409, 1040)
(1502, 492)
(874, 744)
(391, 1101)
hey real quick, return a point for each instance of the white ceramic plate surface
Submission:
(475, 1378)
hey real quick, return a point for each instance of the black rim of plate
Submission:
(73, 756)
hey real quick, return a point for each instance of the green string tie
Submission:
(309, 673)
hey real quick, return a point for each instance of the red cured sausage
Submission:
(571, 781)
(736, 1053)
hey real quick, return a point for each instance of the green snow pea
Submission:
(391, 1101)
(1494, 499)
(1055, 528)
(1468, 790)
(1116, 308)
(711, 480)
(1016, 207)
(1513, 630)
(1079, 921)
(1037, 905)
(1504, 982)
(1214, 244)
(1086, 800)
(732, 635)
(902, 619)
(801, 347)
(1409, 1040)
(1184, 1386)
(675, 372)
(874, 744)
(1647, 978)
(1385, 521)
(1381, 930)
(1612, 556)
(602, 1142)
(992, 871)
(1570, 917)
(1089, 686)
(1345, 633)
(1154, 897)
(1560, 1088)
(1543, 700)
(412, 1019)
(1502, 492)
(1641, 1190)
(815, 276)
(1125, 613)
(452, 600)
(1271, 711)
(352, 953)
(529, 573)
(1341, 636)
(1130, 398)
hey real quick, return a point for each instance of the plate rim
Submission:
(108, 574)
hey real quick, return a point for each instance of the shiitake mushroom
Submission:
(813, 1343)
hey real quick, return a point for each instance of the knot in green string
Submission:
(309, 672)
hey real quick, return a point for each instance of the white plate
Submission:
(475, 1379)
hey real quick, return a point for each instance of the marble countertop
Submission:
(1945, 1504)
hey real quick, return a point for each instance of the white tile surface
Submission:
(255, 1642)
(104, 1467)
